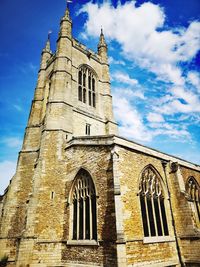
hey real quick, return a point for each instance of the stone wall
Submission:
(186, 223)
(140, 251)
(39, 213)
(97, 161)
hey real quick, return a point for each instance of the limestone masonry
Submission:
(82, 195)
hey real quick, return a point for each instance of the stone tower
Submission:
(72, 98)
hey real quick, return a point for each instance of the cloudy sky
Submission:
(154, 56)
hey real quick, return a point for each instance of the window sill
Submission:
(158, 239)
(82, 243)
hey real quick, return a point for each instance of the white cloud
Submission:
(189, 42)
(128, 93)
(140, 31)
(155, 117)
(130, 121)
(121, 77)
(111, 60)
(145, 41)
(181, 100)
(186, 95)
(193, 77)
(7, 170)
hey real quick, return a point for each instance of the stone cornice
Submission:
(109, 140)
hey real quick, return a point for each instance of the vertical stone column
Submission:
(33, 131)
(49, 170)
(121, 244)
(16, 202)
(59, 108)
(111, 126)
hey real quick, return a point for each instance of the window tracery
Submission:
(152, 204)
(84, 216)
(193, 195)
(87, 86)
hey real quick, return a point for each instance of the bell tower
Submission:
(72, 98)
(79, 99)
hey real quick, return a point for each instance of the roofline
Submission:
(123, 142)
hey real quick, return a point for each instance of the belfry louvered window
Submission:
(84, 208)
(87, 86)
(193, 195)
(152, 204)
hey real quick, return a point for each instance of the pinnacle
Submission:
(102, 41)
(67, 13)
(47, 47)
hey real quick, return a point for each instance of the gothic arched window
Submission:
(152, 204)
(84, 226)
(86, 86)
(193, 195)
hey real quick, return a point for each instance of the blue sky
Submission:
(154, 55)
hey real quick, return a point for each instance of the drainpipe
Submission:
(164, 165)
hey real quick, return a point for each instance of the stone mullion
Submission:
(72, 221)
(87, 86)
(190, 190)
(78, 215)
(160, 213)
(147, 213)
(92, 104)
(198, 201)
(154, 215)
(197, 208)
(90, 204)
(93, 92)
(193, 192)
(84, 218)
(81, 85)
(89, 89)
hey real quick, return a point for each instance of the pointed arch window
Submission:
(152, 203)
(80, 93)
(193, 195)
(83, 212)
(87, 86)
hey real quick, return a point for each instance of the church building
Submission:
(82, 196)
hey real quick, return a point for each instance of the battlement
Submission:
(85, 50)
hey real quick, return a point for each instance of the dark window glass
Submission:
(87, 217)
(93, 84)
(152, 204)
(80, 77)
(94, 100)
(81, 219)
(193, 195)
(75, 219)
(197, 208)
(80, 93)
(84, 79)
(84, 95)
(157, 214)
(144, 216)
(164, 218)
(86, 88)
(151, 220)
(94, 218)
(90, 98)
(84, 208)
(89, 82)
(87, 129)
